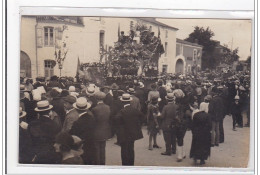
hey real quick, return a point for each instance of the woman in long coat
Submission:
(200, 147)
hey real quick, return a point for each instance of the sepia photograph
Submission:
(128, 91)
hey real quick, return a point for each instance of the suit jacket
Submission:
(168, 116)
(128, 121)
(135, 103)
(58, 107)
(70, 118)
(101, 114)
(216, 108)
(84, 127)
(108, 100)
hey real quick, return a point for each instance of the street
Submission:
(232, 153)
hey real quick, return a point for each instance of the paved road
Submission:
(233, 153)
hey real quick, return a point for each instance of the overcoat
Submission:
(201, 127)
(101, 114)
(129, 121)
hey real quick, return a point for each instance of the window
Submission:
(166, 34)
(48, 36)
(195, 54)
(164, 68)
(48, 68)
(166, 48)
(101, 38)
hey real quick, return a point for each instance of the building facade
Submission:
(188, 57)
(48, 40)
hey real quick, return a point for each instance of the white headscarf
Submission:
(204, 107)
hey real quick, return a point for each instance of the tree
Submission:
(228, 56)
(204, 37)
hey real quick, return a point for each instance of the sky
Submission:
(240, 31)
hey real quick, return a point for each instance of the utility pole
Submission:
(232, 44)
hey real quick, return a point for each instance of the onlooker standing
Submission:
(216, 114)
(71, 114)
(168, 116)
(201, 127)
(129, 129)
(102, 130)
(152, 123)
(135, 102)
(43, 131)
(235, 111)
(84, 129)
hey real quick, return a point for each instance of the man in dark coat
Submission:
(129, 129)
(102, 131)
(109, 98)
(201, 127)
(58, 104)
(84, 129)
(168, 116)
(72, 114)
(216, 114)
(163, 93)
(140, 93)
(43, 131)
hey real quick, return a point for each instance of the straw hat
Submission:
(141, 84)
(43, 106)
(21, 113)
(100, 95)
(91, 91)
(126, 97)
(82, 104)
(170, 96)
(72, 89)
(236, 97)
(131, 90)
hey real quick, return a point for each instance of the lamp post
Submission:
(59, 58)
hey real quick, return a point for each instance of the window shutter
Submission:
(39, 33)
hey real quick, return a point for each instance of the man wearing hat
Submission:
(43, 131)
(216, 113)
(141, 94)
(25, 141)
(102, 131)
(135, 102)
(71, 113)
(58, 104)
(168, 116)
(90, 94)
(109, 98)
(163, 93)
(84, 129)
(128, 121)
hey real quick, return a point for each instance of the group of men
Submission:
(96, 114)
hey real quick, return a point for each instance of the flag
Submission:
(159, 32)
(118, 31)
(79, 72)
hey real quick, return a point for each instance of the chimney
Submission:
(196, 41)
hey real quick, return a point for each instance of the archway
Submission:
(25, 65)
(179, 68)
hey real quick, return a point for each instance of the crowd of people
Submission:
(64, 124)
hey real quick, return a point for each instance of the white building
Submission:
(81, 37)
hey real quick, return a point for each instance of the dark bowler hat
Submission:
(126, 97)
(114, 86)
(70, 99)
